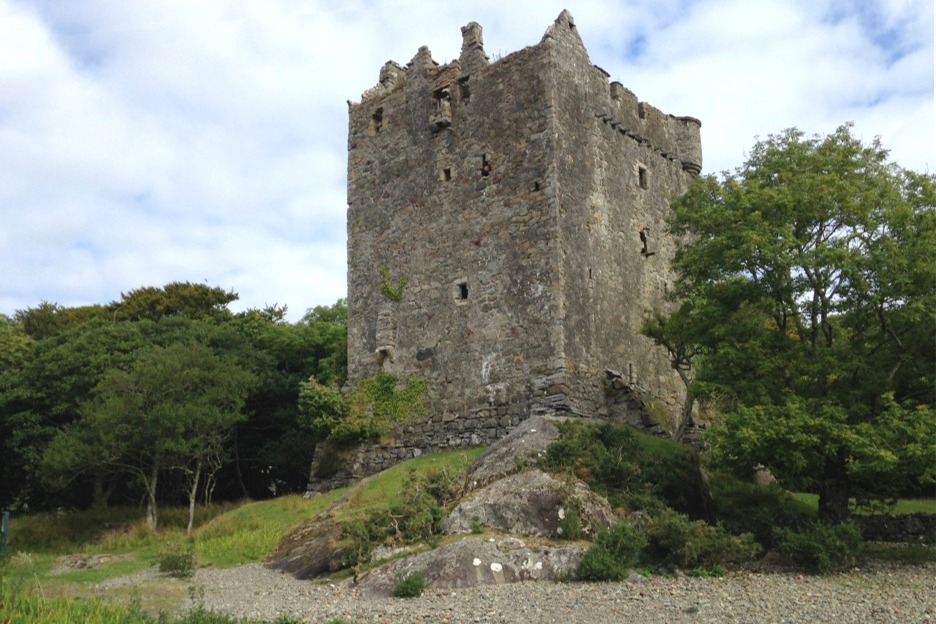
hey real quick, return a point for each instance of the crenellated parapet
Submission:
(675, 138)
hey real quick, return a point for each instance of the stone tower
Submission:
(506, 235)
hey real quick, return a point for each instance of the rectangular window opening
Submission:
(447, 174)
(589, 273)
(377, 120)
(463, 291)
(642, 176)
(485, 166)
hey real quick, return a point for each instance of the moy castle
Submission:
(505, 238)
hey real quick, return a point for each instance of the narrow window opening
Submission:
(645, 241)
(377, 120)
(631, 377)
(447, 174)
(485, 166)
(464, 89)
(463, 291)
(642, 176)
(642, 110)
(536, 186)
(589, 273)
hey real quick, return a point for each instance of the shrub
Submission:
(409, 585)
(676, 541)
(630, 468)
(748, 508)
(821, 547)
(570, 526)
(613, 554)
(598, 564)
(176, 561)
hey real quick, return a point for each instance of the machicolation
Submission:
(506, 235)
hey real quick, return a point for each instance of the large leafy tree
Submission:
(175, 408)
(807, 287)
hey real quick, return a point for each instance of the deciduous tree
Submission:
(807, 279)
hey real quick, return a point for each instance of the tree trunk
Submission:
(193, 493)
(237, 466)
(150, 485)
(834, 489)
(99, 494)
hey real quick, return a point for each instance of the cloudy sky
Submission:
(150, 141)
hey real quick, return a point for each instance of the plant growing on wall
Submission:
(373, 408)
(393, 293)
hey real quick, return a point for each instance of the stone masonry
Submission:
(506, 234)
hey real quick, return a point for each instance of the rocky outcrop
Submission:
(476, 561)
(514, 452)
(532, 503)
(311, 551)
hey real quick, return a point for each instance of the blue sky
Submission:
(153, 141)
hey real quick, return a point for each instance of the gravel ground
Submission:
(878, 593)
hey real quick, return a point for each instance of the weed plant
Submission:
(409, 585)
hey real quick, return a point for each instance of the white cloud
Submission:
(162, 140)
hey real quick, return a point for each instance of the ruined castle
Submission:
(506, 234)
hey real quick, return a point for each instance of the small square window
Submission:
(447, 174)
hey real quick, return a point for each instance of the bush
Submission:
(613, 554)
(409, 585)
(176, 561)
(630, 468)
(821, 547)
(748, 508)
(676, 541)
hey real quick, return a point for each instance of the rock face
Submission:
(475, 561)
(518, 449)
(532, 503)
(311, 551)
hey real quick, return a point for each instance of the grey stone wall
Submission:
(495, 215)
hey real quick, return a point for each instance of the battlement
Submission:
(518, 208)
(676, 138)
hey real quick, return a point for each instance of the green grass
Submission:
(34, 588)
(903, 506)
(383, 489)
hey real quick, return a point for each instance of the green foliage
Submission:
(373, 408)
(821, 547)
(744, 507)
(176, 560)
(805, 293)
(632, 469)
(409, 585)
(416, 515)
(176, 405)
(193, 301)
(570, 526)
(674, 541)
(393, 293)
(613, 554)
